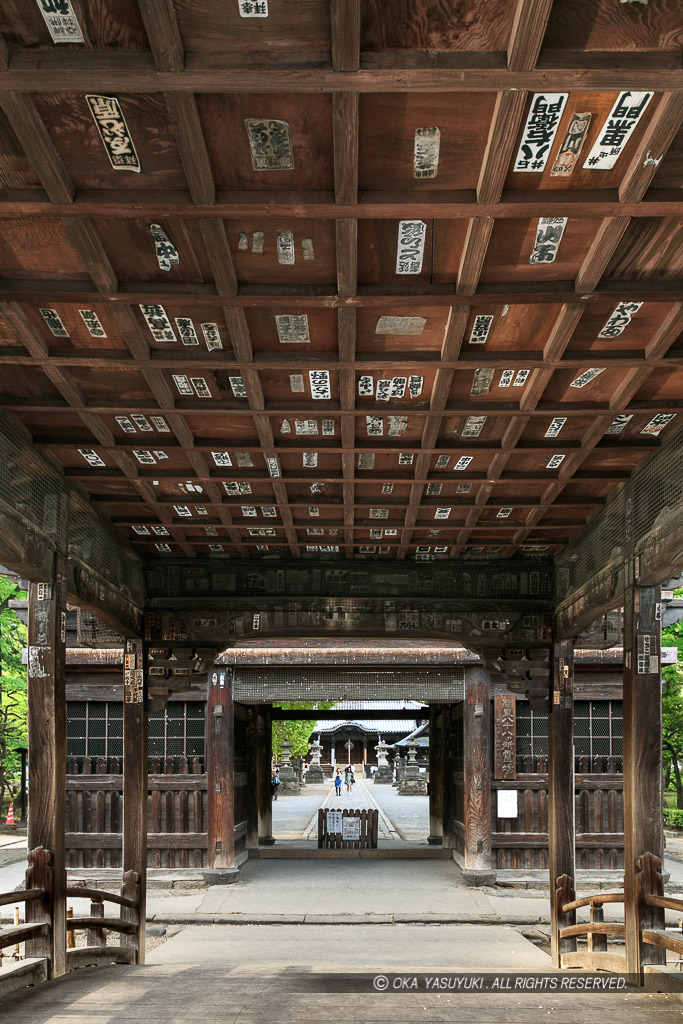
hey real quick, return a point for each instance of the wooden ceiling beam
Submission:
(529, 23)
(163, 34)
(189, 138)
(345, 18)
(505, 125)
(35, 140)
(345, 123)
(652, 148)
(473, 254)
(603, 247)
(666, 334)
(86, 240)
(220, 258)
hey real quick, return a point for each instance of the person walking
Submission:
(348, 777)
(337, 784)
(275, 785)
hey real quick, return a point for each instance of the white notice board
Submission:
(507, 803)
(334, 821)
(351, 828)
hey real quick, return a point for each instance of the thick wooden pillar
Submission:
(643, 828)
(47, 749)
(265, 775)
(477, 770)
(561, 788)
(436, 774)
(252, 794)
(135, 785)
(220, 761)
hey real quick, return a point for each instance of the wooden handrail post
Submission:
(562, 893)
(39, 875)
(96, 936)
(561, 787)
(130, 889)
(596, 943)
(643, 823)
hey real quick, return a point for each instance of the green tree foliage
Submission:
(672, 710)
(297, 732)
(12, 690)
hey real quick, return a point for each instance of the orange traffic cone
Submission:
(10, 815)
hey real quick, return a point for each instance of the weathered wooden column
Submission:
(220, 776)
(449, 838)
(436, 774)
(135, 766)
(476, 728)
(47, 749)
(561, 789)
(643, 827)
(265, 775)
(252, 794)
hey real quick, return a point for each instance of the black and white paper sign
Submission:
(167, 254)
(221, 458)
(556, 425)
(587, 376)
(407, 325)
(405, 459)
(200, 386)
(366, 460)
(411, 244)
(617, 130)
(503, 513)
(238, 388)
(657, 423)
(396, 425)
(141, 422)
(442, 513)
(310, 460)
(92, 322)
(286, 253)
(506, 378)
(61, 21)
(481, 382)
(379, 513)
(366, 387)
(273, 466)
(619, 423)
(442, 461)
(415, 385)
(549, 231)
(398, 387)
(183, 384)
(320, 384)
(463, 488)
(463, 462)
(328, 428)
(54, 323)
(383, 390)
(144, 457)
(296, 383)
(374, 426)
(387, 488)
(521, 378)
(434, 489)
(91, 457)
(473, 426)
(619, 319)
(160, 424)
(306, 427)
(426, 152)
(554, 461)
(570, 148)
(292, 329)
(188, 334)
(125, 425)
(270, 142)
(117, 140)
(539, 131)
(212, 336)
(158, 322)
(481, 329)
(253, 8)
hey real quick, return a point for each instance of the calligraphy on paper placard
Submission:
(505, 736)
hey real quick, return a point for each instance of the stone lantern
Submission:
(315, 774)
(384, 774)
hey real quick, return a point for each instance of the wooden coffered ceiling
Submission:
(481, 438)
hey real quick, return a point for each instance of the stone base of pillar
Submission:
(266, 840)
(384, 775)
(478, 876)
(435, 840)
(413, 785)
(315, 776)
(220, 876)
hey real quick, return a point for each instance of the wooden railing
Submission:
(38, 932)
(366, 840)
(646, 939)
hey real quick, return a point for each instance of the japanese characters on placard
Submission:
(320, 384)
(505, 737)
(481, 329)
(463, 462)
(91, 457)
(539, 131)
(555, 426)
(481, 382)
(619, 423)
(270, 142)
(619, 319)
(253, 8)
(587, 376)
(117, 140)
(61, 21)
(570, 147)
(286, 254)
(167, 254)
(212, 336)
(426, 152)
(186, 330)
(54, 323)
(237, 386)
(473, 426)
(657, 423)
(617, 130)
(92, 322)
(549, 233)
(410, 248)
(554, 461)
(158, 322)
(408, 325)
(293, 329)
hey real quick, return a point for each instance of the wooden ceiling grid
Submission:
(458, 413)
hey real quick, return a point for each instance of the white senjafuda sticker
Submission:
(183, 384)
(410, 325)
(587, 376)
(554, 461)
(54, 323)
(411, 244)
(167, 254)
(619, 319)
(61, 21)
(270, 143)
(556, 425)
(117, 140)
(212, 336)
(186, 330)
(286, 254)
(320, 384)
(481, 382)
(293, 329)
(366, 388)
(617, 130)
(253, 8)
(158, 322)
(618, 425)
(568, 153)
(473, 426)
(92, 322)
(539, 131)
(426, 153)
(549, 231)
(657, 423)
(481, 328)
(91, 457)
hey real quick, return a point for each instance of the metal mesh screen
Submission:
(605, 632)
(648, 506)
(265, 684)
(92, 632)
(98, 547)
